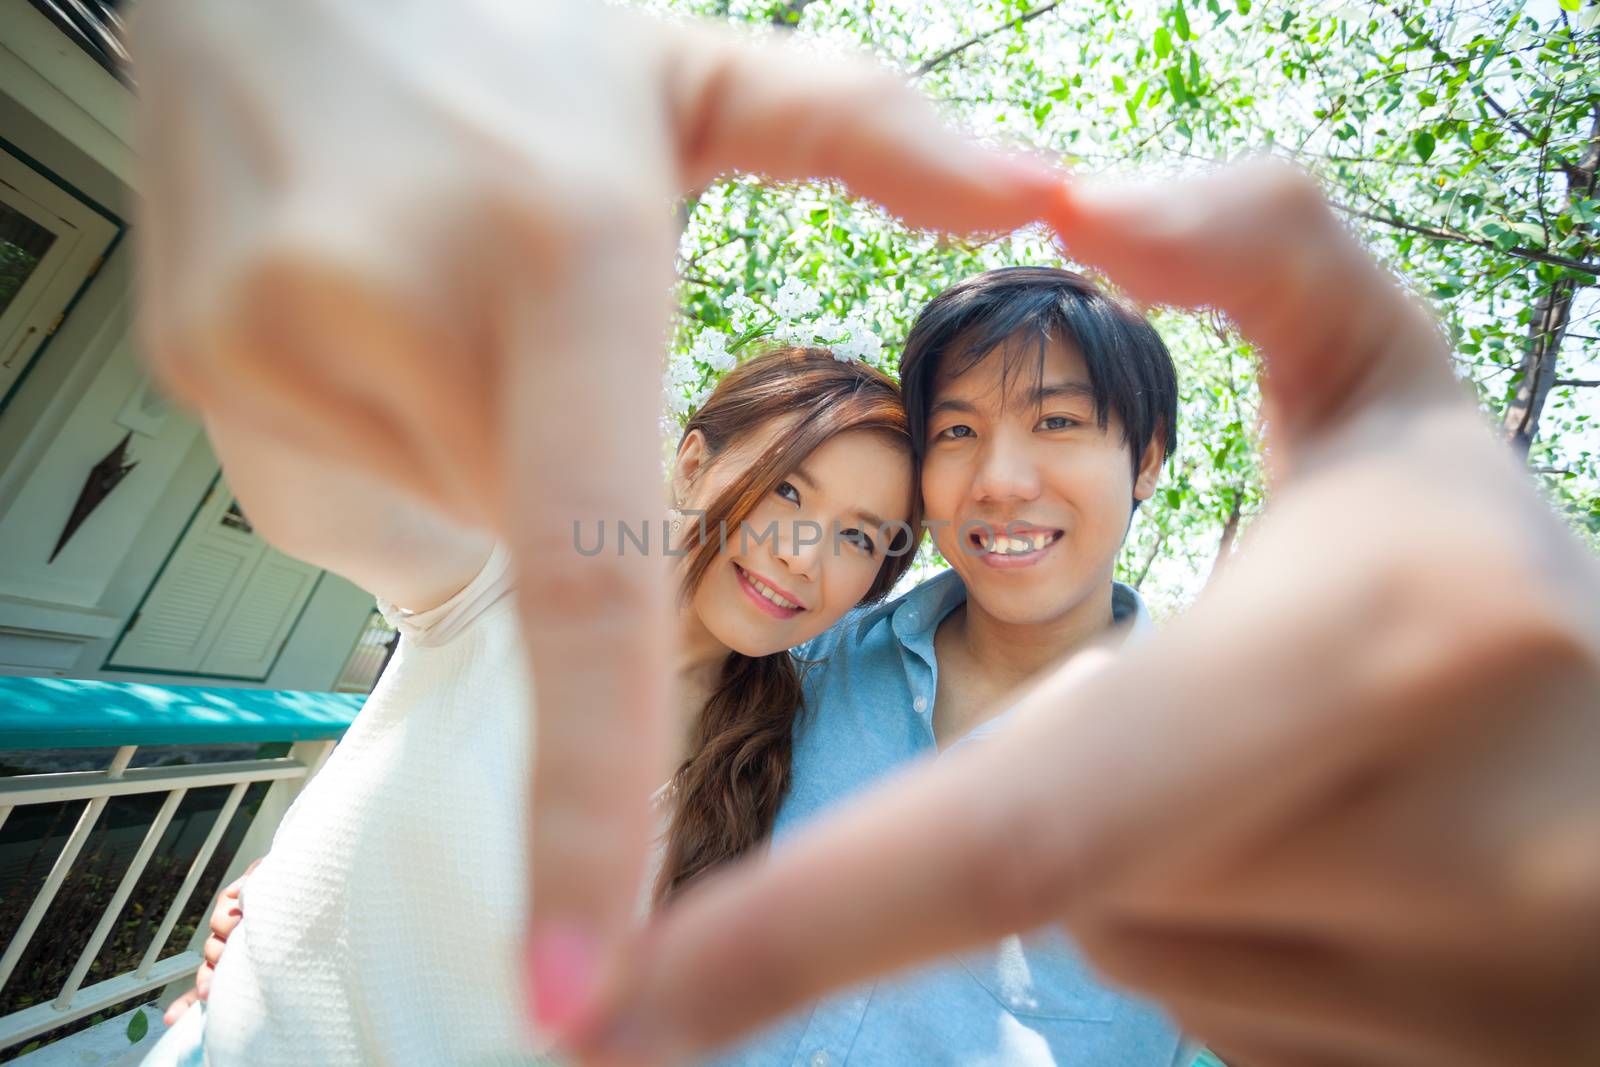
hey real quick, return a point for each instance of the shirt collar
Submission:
(918, 612)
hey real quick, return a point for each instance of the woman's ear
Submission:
(1149, 472)
(693, 453)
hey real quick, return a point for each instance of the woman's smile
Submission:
(770, 598)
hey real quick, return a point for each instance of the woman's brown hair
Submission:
(726, 794)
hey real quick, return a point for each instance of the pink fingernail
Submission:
(560, 977)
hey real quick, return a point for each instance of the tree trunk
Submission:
(787, 17)
(1548, 326)
(1230, 530)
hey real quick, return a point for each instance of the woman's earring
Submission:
(675, 521)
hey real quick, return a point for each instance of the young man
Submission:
(1041, 410)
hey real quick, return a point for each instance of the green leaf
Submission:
(138, 1026)
(1138, 98)
(1422, 143)
(1243, 6)
(1163, 43)
(1571, 5)
(1119, 83)
(1427, 99)
(1180, 19)
(1180, 92)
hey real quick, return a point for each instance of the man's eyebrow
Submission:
(1075, 390)
(960, 407)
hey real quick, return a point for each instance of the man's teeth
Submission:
(767, 591)
(1008, 545)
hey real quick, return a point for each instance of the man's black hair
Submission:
(1017, 309)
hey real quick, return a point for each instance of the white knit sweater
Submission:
(383, 925)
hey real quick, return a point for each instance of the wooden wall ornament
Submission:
(103, 477)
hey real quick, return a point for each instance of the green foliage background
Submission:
(1458, 137)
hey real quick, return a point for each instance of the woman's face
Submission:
(810, 551)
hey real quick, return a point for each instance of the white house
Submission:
(124, 558)
(163, 580)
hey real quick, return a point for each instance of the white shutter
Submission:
(260, 621)
(224, 603)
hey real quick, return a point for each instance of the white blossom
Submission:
(678, 403)
(793, 333)
(827, 329)
(682, 373)
(742, 309)
(711, 348)
(795, 298)
(861, 341)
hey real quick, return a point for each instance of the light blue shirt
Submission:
(1026, 1002)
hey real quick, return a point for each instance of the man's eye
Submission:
(860, 539)
(1057, 422)
(788, 492)
(951, 433)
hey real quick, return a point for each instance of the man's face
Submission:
(1029, 461)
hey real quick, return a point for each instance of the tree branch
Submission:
(787, 17)
(955, 50)
(1577, 383)
(1534, 255)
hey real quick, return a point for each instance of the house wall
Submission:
(63, 110)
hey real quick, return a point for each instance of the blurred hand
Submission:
(225, 915)
(1345, 811)
(434, 241)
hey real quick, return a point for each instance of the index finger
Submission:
(580, 410)
(1259, 242)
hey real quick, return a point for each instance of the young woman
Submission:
(374, 926)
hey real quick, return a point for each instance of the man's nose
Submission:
(1006, 471)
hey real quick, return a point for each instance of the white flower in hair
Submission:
(860, 343)
(789, 332)
(682, 373)
(678, 403)
(742, 309)
(711, 348)
(795, 298)
(827, 330)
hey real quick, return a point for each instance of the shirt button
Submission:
(819, 1058)
(921, 703)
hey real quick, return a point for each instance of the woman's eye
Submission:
(1057, 422)
(951, 433)
(860, 539)
(788, 492)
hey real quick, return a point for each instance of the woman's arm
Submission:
(316, 509)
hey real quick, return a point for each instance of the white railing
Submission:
(75, 1000)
